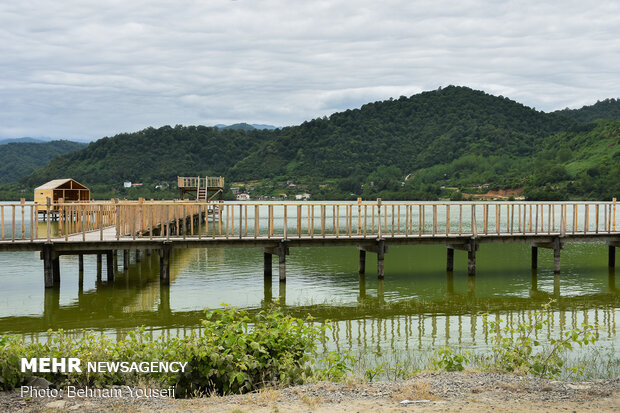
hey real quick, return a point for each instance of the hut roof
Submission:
(57, 183)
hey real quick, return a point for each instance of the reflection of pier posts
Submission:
(450, 282)
(612, 280)
(534, 285)
(471, 286)
(164, 299)
(556, 255)
(612, 256)
(282, 294)
(51, 304)
(362, 282)
(267, 289)
(556, 285)
(381, 290)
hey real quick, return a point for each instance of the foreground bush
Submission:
(233, 353)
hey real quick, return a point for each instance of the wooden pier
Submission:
(105, 227)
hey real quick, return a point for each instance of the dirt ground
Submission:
(429, 392)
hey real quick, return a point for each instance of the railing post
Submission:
(47, 217)
(379, 216)
(614, 214)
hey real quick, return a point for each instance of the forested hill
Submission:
(18, 159)
(606, 109)
(408, 133)
(431, 145)
(153, 154)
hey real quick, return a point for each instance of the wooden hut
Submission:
(68, 190)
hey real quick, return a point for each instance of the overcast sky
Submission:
(88, 69)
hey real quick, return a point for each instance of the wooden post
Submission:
(379, 220)
(48, 268)
(164, 264)
(47, 216)
(110, 267)
(614, 215)
(471, 257)
(362, 266)
(556, 255)
(282, 266)
(612, 256)
(380, 259)
(81, 262)
(23, 202)
(125, 259)
(267, 270)
(449, 259)
(138, 255)
(534, 257)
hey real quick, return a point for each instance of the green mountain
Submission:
(407, 133)
(153, 155)
(18, 159)
(606, 109)
(436, 144)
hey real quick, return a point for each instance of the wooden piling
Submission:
(81, 263)
(362, 262)
(534, 257)
(471, 258)
(449, 259)
(380, 259)
(164, 264)
(556, 255)
(125, 259)
(267, 269)
(48, 269)
(612, 256)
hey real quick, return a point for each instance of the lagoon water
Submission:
(417, 308)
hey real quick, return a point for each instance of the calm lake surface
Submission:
(418, 306)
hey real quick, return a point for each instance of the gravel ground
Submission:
(428, 392)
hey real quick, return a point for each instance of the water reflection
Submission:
(417, 305)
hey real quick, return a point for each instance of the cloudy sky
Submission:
(88, 69)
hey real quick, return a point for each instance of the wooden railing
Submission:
(199, 182)
(165, 219)
(362, 219)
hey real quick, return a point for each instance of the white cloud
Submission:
(89, 69)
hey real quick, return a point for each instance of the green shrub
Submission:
(233, 353)
(517, 350)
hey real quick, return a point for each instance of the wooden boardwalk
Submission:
(102, 228)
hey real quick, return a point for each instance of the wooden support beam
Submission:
(138, 255)
(282, 267)
(110, 265)
(362, 264)
(164, 263)
(48, 271)
(125, 259)
(471, 257)
(612, 256)
(81, 263)
(556, 255)
(449, 259)
(380, 259)
(534, 257)
(267, 267)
